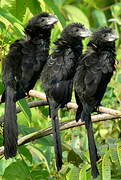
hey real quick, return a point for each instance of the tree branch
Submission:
(71, 105)
(111, 114)
(31, 105)
(63, 126)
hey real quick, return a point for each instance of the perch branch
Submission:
(71, 105)
(66, 125)
(31, 105)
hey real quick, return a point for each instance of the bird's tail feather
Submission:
(86, 116)
(78, 113)
(10, 130)
(80, 107)
(57, 142)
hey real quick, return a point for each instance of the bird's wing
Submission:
(93, 76)
(12, 63)
(107, 62)
(60, 66)
(57, 75)
(88, 76)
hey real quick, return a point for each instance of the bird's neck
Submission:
(40, 41)
(76, 46)
(100, 46)
(41, 37)
(77, 49)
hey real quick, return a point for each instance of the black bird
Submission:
(93, 73)
(57, 76)
(21, 69)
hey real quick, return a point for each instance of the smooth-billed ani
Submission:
(93, 73)
(57, 76)
(21, 70)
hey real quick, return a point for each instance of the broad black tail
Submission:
(57, 141)
(10, 130)
(86, 116)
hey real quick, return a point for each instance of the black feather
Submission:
(57, 77)
(21, 70)
(93, 73)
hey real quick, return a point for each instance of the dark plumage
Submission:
(93, 73)
(57, 76)
(21, 69)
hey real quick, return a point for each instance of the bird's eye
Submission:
(42, 20)
(77, 30)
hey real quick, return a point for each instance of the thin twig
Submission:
(66, 125)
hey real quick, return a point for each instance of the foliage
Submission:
(35, 161)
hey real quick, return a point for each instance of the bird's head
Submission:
(75, 31)
(40, 23)
(104, 34)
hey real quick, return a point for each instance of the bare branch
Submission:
(109, 114)
(31, 105)
(72, 105)
(66, 125)
(34, 104)
(34, 93)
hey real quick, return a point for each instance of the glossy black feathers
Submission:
(93, 73)
(21, 70)
(57, 76)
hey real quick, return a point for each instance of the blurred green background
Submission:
(35, 160)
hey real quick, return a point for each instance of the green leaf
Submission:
(17, 8)
(1, 87)
(103, 132)
(40, 155)
(25, 108)
(76, 15)
(34, 6)
(99, 18)
(25, 152)
(4, 164)
(2, 25)
(116, 10)
(46, 141)
(106, 169)
(73, 174)
(17, 171)
(39, 174)
(113, 152)
(119, 77)
(27, 16)
(7, 15)
(119, 152)
(74, 158)
(82, 174)
(91, 3)
(55, 9)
